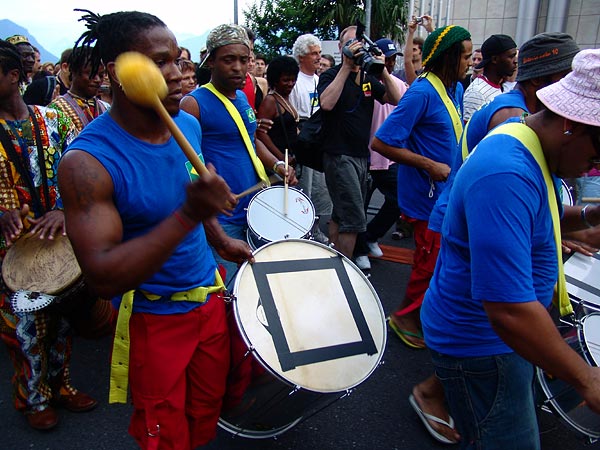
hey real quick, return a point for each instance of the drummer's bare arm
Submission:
(269, 160)
(530, 331)
(228, 248)
(573, 218)
(11, 224)
(96, 230)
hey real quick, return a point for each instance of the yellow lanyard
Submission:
(235, 115)
(449, 104)
(529, 139)
(119, 364)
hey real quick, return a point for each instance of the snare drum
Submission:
(565, 194)
(561, 398)
(267, 221)
(314, 326)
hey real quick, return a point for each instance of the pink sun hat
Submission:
(577, 96)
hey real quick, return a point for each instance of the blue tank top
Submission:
(149, 184)
(223, 146)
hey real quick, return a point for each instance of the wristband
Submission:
(278, 163)
(584, 218)
(184, 223)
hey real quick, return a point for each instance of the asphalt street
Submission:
(377, 414)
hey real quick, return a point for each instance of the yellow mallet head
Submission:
(140, 78)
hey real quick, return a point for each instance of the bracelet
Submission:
(584, 218)
(278, 163)
(184, 223)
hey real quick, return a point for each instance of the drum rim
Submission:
(587, 354)
(306, 197)
(263, 362)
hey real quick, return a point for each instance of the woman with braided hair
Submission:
(137, 214)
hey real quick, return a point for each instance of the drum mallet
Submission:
(143, 84)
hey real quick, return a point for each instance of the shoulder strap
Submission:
(449, 104)
(530, 140)
(235, 115)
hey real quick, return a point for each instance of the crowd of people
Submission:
(468, 146)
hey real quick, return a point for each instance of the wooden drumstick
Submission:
(285, 186)
(261, 184)
(590, 199)
(143, 83)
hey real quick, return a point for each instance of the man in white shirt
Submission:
(499, 53)
(305, 98)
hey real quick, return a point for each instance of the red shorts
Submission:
(178, 370)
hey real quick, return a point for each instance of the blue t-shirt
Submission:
(149, 184)
(223, 146)
(422, 124)
(476, 130)
(497, 245)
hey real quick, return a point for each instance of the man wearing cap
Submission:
(485, 315)
(228, 127)
(499, 53)
(384, 172)
(27, 57)
(543, 60)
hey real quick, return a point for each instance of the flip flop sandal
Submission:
(425, 418)
(402, 334)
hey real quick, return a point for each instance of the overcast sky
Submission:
(55, 25)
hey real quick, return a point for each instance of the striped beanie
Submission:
(441, 39)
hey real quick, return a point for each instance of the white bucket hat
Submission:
(577, 96)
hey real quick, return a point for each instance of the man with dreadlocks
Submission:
(39, 342)
(80, 102)
(135, 210)
(421, 134)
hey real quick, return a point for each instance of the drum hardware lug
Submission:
(229, 297)
(293, 391)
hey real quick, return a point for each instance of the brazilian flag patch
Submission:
(251, 116)
(192, 172)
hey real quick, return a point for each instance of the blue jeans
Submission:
(491, 400)
(236, 232)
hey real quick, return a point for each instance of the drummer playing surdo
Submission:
(242, 163)
(39, 343)
(484, 316)
(135, 211)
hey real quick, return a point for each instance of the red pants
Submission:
(178, 369)
(427, 248)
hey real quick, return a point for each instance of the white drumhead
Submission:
(323, 311)
(266, 216)
(591, 336)
(582, 274)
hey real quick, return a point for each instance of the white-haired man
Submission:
(305, 98)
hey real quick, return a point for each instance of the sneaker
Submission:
(319, 236)
(362, 262)
(374, 249)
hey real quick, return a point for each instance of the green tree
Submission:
(277, 23)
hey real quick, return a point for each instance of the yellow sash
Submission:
(529, 139)
(235, 115)
(119, 364)
(449, 104)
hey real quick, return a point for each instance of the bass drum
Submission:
(559, 397)
(311, 328)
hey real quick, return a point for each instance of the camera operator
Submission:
(347, 94)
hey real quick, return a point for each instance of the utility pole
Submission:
(368, 17)
(235, 11)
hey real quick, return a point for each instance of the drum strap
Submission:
(529, 139)
(119, 364)
(237, 118)
(453, 110)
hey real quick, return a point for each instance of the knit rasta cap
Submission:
(441, 39)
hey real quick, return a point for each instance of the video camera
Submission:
(365, 58)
